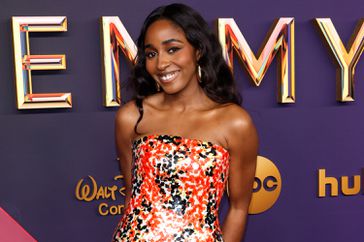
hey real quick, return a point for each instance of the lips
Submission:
(168, 76)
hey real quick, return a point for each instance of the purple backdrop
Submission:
(44, 153)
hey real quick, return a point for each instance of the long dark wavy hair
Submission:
(216, 78)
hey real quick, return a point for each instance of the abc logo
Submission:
(267, 186)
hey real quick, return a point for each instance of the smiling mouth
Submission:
(167, 77)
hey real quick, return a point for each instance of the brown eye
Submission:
(150, 54)
(173, 50)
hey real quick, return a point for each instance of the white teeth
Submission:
(168, 76)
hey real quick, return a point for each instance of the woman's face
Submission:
(170, 59)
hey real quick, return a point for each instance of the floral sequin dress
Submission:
(177, 188)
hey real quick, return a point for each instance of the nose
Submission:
(163, 62)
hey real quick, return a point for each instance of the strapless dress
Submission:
(177, 186)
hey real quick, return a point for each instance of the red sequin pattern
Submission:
(177, 188)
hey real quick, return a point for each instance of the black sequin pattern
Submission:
(177, 188)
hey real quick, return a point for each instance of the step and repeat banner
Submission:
(63, 71)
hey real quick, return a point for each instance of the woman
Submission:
(184, 136)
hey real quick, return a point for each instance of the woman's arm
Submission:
(243, 147)
(125, 120)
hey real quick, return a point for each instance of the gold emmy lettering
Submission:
(25, 62)
(281, 38)
(114, 37)
(346, 58)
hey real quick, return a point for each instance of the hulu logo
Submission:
(349, 185)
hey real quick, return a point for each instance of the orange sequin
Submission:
(177, 188)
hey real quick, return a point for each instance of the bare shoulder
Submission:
(237, 124)
(236, 118)
(128, 112)
(126, 118)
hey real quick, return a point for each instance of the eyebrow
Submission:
(164, 42)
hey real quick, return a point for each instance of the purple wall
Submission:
(44, 153)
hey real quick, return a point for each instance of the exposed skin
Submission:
(182, 108)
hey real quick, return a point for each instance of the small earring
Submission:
(199, 72)
(158, 86)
